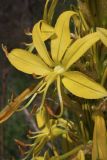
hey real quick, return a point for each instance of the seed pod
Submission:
(42, 118)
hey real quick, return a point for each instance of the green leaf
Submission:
(79, 48)
(27, 62)
(63, 40)
(83, 86)
(103, 35)
(40, 45)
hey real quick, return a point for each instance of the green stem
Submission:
(68, 154)
(33, 97)
(84, 21)
(104, 77)
(96, 60)
(60, 97)
(49, 81)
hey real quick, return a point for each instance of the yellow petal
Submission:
(79, 48)
(80, 155)
(27, 62)
(40, 45)
(47, 31)
(103, 35)
(99, 150)
(83, 86)
(60, 44)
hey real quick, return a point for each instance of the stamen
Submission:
(60, 96)
(39, 90)
(59, 69)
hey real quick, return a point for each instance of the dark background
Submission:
(17, 16)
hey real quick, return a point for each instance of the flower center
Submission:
(59, 69)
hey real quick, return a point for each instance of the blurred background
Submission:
(17, 16)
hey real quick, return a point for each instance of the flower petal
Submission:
(79, 48)
(60, 44)
(99, 150)
(47, 31)
(80, 155)
(81, 85)
(103, 35)
(39, 42)
(27, 62)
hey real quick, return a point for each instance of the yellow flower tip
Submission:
(96, 114)
(4, 48)
(27, 44)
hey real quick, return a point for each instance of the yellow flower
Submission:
(49, 129)
(99, 149)
(54, 63)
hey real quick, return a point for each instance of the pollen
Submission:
(59, 69)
